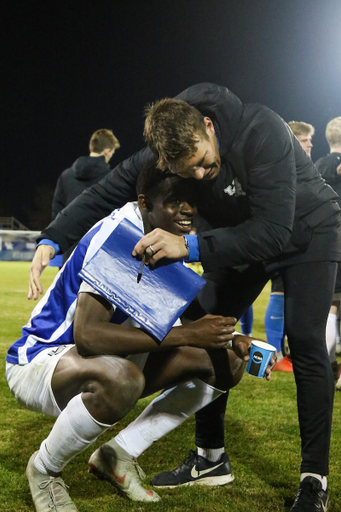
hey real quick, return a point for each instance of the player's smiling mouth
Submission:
(184, 225)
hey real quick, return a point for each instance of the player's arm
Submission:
(94, 334)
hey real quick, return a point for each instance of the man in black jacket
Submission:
(269, 210)
(86, 170)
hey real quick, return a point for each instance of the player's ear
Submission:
(144, 203)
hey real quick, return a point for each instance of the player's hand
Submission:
(242, 347)
(43, 255)
(211, 332)
(160, 244)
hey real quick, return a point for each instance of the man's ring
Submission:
(151, 248)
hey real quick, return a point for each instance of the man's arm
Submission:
(269, 161)
(94, 334)
(113, 191)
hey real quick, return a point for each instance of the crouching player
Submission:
(84, 361)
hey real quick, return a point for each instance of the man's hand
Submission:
(160, 244)
(43, 255)
(242, 347)
(210, 332)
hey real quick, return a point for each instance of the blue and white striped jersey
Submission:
(51, 322)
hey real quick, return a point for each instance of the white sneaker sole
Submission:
(208, 480)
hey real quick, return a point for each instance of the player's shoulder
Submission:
(327, 165)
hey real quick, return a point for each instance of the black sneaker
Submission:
(310, 497)
(196, 470)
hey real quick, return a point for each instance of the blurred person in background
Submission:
(84, 172)
(329, 167)
(304, 133)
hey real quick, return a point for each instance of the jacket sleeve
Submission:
(268, 160)
(113, 191)
(58, 202)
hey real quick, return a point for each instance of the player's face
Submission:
(205, 164)
(174, 208)
(305, 141)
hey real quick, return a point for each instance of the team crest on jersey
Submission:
(235, 189)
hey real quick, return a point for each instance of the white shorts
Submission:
(31, 383)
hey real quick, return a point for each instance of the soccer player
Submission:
(78, 361)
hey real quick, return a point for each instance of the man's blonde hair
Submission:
(301, 128)
(103, 139)
(172, 130)
(333, 132)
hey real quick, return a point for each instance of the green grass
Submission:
(262, 436)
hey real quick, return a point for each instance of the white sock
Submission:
(165, 413)
(211, 454)
(323, 479)
(331, 335)
(74, 430)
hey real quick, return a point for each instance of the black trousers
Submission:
(308, 289)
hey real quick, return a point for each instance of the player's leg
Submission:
(246, 321)
(274, 323)
(308, 291)
(203, 378)
(92, 394)
(229, 293)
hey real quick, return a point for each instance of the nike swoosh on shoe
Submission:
(195, 473)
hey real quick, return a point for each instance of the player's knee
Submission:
(122, 383)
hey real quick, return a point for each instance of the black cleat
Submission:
(310, 496)
(196, 470)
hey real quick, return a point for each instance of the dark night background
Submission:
(72, 67)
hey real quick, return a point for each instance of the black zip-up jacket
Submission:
(264, 204)
(327, 166)
(84, 172)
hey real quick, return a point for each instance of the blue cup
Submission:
(260, 357)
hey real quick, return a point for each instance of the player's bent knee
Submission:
(122, 378)
(113, 388)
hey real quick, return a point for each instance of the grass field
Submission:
(262, 436)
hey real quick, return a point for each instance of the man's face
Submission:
(205, 164)
(305, 141)
(173, 209)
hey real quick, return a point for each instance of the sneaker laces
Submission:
(57, 490)
(192, 455)
(133, 462)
